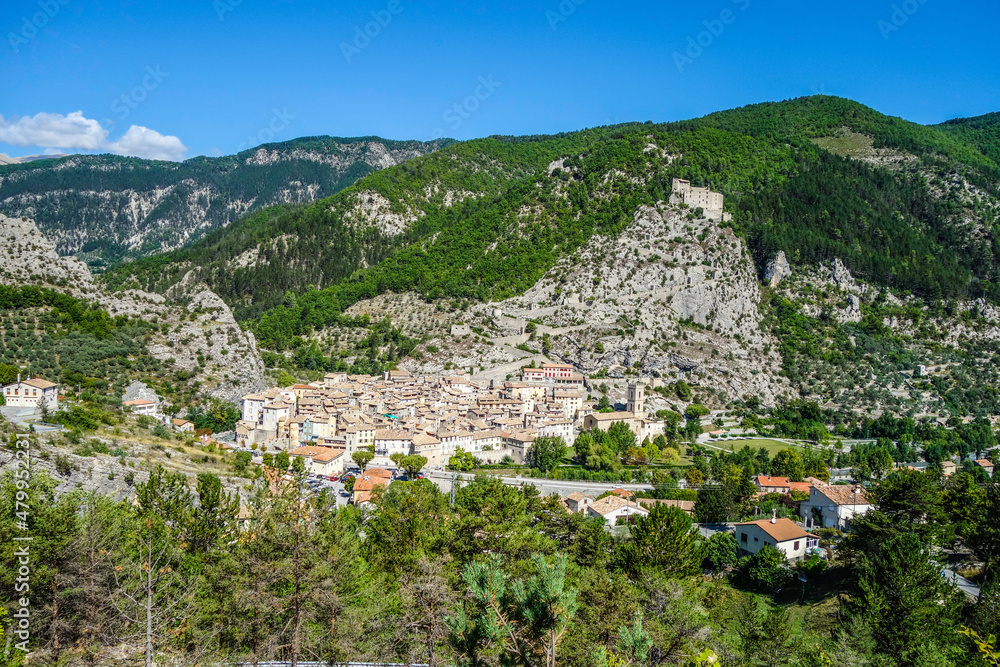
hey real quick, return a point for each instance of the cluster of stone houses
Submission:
(396, 412)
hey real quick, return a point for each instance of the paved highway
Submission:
(563, 488)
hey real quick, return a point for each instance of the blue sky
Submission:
(181, 78)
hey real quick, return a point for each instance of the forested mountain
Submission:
(106, 207)
(907, 210)
(983, 132)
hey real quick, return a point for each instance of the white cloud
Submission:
(75, 132)
(54, 130)
(141, 141)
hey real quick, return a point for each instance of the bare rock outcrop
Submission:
(197, 333)
(777, 270)
(672, 296)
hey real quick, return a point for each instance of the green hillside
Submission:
(982, 132)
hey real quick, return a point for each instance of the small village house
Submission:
(141, 406)
(615, 510)
(834, 506)
(32, 393)
(783, 534)
(768, 484)
(182, 425)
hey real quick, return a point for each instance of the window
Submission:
(795, 547)
(756, 539)
(743, 538)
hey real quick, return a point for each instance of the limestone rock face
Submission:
(669, 297)
(138, 391)
(194, 321)
(777, 270)
(842, 275)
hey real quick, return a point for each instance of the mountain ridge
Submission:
(107, 207)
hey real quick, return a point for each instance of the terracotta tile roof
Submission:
(328, 455)
(609, 504)
(841, 494)
(782, 530)
(135, 402)
(768, 481)
(622, 493)
(612, 416)
(367, 484)
(39, 383)
(685, 505)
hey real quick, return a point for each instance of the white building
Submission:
(324, 461)
(783, 534)
(613, 508)
(29, 393)
(252, 405)
(834, 506)
(140, 406)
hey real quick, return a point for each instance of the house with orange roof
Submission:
(577, 502)
(986, 465)
(182, 425)
(141, 406)
(783, 534)
(325, 461)
(367, 483)
(768, 484)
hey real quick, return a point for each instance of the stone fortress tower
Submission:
(710, 202)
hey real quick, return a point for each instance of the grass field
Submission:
(772, 446)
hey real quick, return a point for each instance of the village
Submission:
(434, 417)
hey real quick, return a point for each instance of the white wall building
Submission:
(28, 393)
(783, 534)
(612, 509)
(834, 506)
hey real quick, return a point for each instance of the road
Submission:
(545, 486)
(27, 418)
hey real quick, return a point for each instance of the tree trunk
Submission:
(55, 617)
(149, 603)
(297, 597)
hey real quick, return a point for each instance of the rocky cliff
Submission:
(197, 334)
(673, 296)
